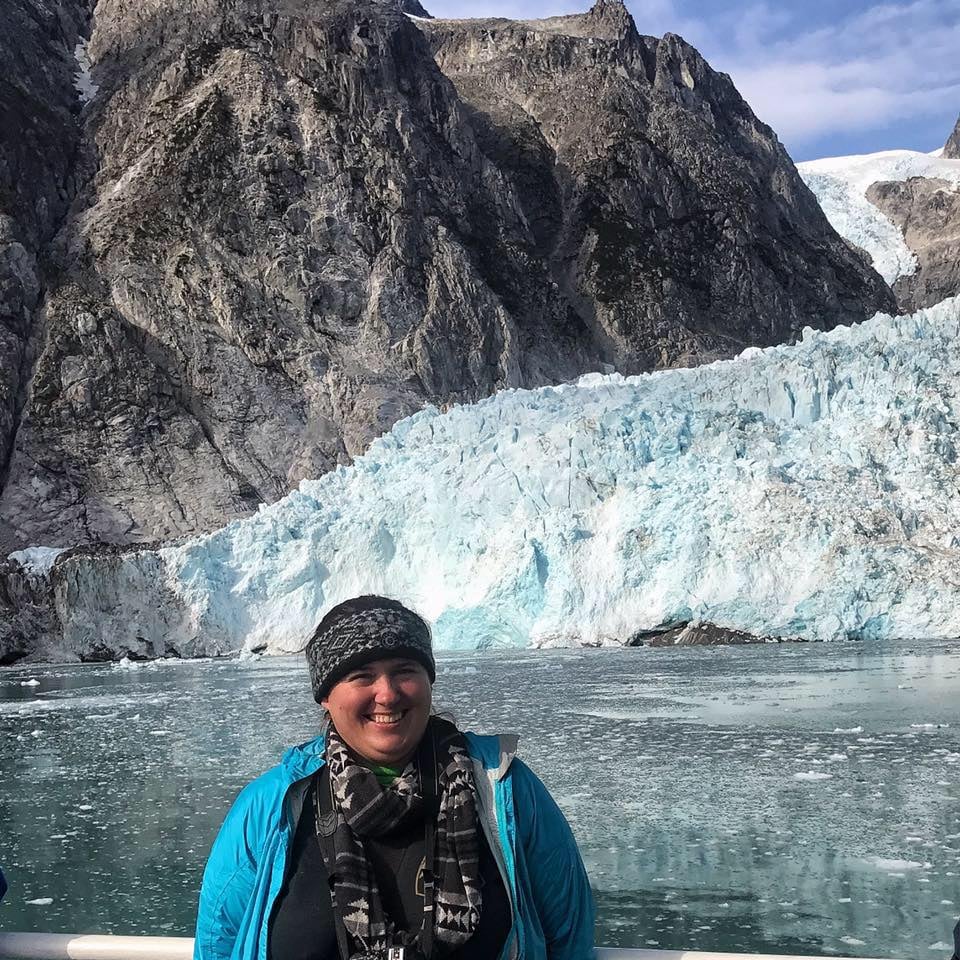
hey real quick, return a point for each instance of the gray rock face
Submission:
(702, 634)
(951, 149)
(299, 223)
(39, 134)
(928, 212)
(660, 202)
(27, 619)
(69, 613)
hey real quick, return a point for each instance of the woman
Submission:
(394, 835)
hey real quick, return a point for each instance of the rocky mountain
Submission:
(951, 149)
(39, 138)
(902, 208)
(927, 210)
(276, 228)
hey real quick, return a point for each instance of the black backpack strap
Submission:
(326, 815)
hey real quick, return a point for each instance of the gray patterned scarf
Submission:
(365, 809)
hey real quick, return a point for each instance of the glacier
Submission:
(840, 185)
(805, 491)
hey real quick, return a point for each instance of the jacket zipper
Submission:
(488, 821)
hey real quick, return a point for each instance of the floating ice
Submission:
(840, 185)
(848, 730)
(882, 863)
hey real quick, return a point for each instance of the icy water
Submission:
(769, 799)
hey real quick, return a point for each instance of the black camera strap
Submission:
(326, 824)
(427, 760)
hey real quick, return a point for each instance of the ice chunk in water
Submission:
(882, 863)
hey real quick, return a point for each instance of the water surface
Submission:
(765, 799)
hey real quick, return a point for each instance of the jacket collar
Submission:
(303, 760)
(495, 753)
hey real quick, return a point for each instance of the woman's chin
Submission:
(389, 743)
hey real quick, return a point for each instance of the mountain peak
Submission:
(951, 149)
(412, 8)
(613, 14)
(609, 8)
(605, 20)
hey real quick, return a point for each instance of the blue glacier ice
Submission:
(807, 490)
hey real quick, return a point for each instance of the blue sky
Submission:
(832, 77)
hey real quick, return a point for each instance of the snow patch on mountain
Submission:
(840, 185)
(83, 82)
(806, 490)
(37, 560)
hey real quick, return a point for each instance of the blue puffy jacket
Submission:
(550, 896)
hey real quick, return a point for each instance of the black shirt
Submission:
(302, 927)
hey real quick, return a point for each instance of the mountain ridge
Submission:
(951, 149)
(292, 230)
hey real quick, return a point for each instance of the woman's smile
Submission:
(386, 718)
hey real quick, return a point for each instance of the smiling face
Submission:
(381, 709)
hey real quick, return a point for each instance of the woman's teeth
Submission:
(386, 717)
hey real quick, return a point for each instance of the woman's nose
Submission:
(386, 689)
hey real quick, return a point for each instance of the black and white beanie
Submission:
(363, 629)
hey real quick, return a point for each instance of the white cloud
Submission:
(888, 62)
(803, 101)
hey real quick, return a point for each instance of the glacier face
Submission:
(806, 490)
(840, 185)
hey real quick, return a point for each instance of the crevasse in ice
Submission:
(807, 490)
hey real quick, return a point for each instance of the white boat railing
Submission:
(68, 946)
